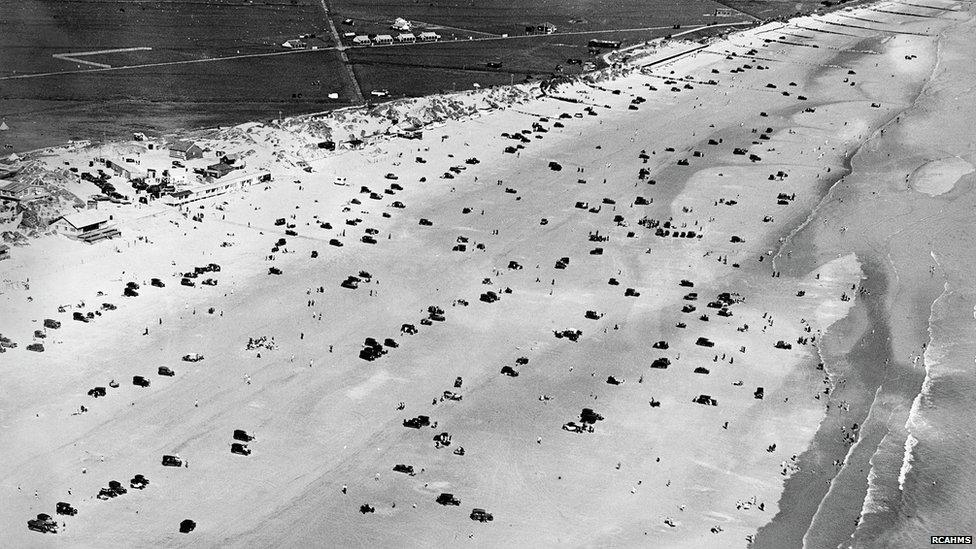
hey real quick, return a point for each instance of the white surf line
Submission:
(73, 57)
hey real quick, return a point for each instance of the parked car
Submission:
(166, 371)
(448, 499)
(139, 482)
(240, 449)
(481, 515)
(43, 523)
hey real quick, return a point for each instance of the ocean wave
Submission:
(906, 463)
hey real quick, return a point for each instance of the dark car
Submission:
(139, 482)
(417, 422)
(187, 526)
(140, 381)
(241, 435)
(44, 524)
(172, 461)
(240, 449)
(166, 371)
(401, 468)
(65, 508)
(481, 515)
(448, 499)
(157, 283)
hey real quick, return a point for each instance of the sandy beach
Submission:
(739, 259)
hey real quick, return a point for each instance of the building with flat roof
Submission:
(218, 170)
(217, 187)
(124, 169)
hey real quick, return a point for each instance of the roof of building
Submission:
(220, 168)
(384, 37)
(85, 218)
(14, 187)
(181, 145)
(4, 248)
(428, 33)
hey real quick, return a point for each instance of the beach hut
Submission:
(406, 38)
(429, 37)
(383, 39)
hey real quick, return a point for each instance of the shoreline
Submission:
(835, 506)
(336, 421)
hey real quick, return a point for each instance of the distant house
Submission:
(361, 40)
(124, 169)
(4, 252)
(219, 170)
(185, 150)
(400, 24)
(429, 37)
(295, 44)
(383, 39)
(724, 12)
(18, 191)
(406, 38)
(544, 28)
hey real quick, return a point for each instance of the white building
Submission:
(383, 39)
(88, 226)
(406, 38)
(401, 24)
(217, 187)
(361, 40)
(429, 37)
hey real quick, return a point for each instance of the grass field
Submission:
(169, 82)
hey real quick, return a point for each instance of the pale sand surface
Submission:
(334, 423)
(939, 176)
